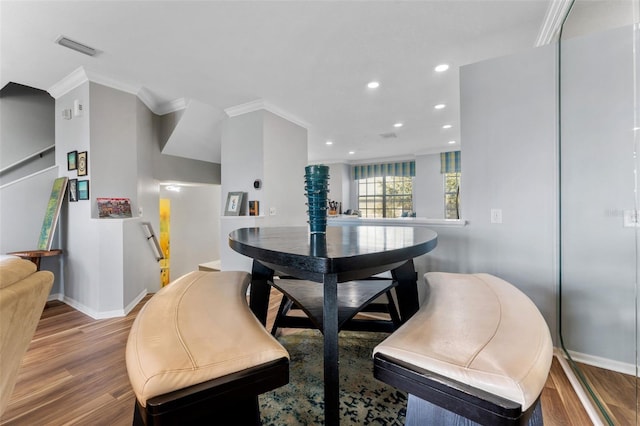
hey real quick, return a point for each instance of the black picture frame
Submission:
(72, 160)
(73, 190)
(83, 189)
(83, 163)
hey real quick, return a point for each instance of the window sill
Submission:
(401, 221)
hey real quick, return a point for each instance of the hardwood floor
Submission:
(616, 391)
(74, 373)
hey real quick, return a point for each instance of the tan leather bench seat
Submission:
(478, 330)
(196, 329)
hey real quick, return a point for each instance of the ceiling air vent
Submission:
(390, 135)
(74, 45)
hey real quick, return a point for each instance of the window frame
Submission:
(381, 202)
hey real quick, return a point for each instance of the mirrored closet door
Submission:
(598, 126)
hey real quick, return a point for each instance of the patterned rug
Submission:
(363, 399)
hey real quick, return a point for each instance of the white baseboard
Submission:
(135, 301)
(104, 314)
(592, 412)
(607, 364)
(55, 296)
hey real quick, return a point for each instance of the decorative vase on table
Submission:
(317, 188)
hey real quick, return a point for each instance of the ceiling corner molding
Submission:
(245, 108)
(550, 29)
(259, 104)
(112, 83)
(68, 83)
(173, 106)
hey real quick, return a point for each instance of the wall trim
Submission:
(39, 172)
(116, 313)
(550, 29)
(577, 387)
(68, 83)
(606, 363)
(135, 301)
(259, 104)
(81, 75)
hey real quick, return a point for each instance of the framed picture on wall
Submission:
(83, 190)
(73, 190)
(83, 164)
(71, 160)
(235, 204)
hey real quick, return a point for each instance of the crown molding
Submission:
(81, 75)
(550, 29)
(173, 106)
(259, 104)
(68, 83)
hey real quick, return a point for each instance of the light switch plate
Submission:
(496, 215)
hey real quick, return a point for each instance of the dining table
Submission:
(343, 254)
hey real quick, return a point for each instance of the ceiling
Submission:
(309, 61)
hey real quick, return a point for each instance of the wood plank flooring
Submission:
(616, 391)
(74, 373)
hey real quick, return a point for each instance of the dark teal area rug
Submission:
(363, 399)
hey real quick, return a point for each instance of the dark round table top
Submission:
(342, 249)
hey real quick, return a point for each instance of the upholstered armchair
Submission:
(23, 294)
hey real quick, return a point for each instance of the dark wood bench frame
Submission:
(459, 398)
(226, 400)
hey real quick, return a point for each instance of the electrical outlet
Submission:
(272, 211)
(631, 219)
(496, 215)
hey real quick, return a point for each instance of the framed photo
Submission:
(235, 204)
(83, 164)
(73, 190)
(114, 207)
(83, 189)
(72, 160)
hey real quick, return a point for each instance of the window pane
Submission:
(451, 195)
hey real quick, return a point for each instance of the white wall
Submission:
(80, 242)
(509, 142)
(26, 128)
(428, 187)
(194, 225)
(113, 160)
(265, 146)
(284, 159)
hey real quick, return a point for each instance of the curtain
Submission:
(450, 162)
(403, 169)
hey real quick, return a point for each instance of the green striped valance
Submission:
(404, 169)
(450, 162)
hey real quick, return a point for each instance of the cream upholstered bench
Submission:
(196, 354)
(477, 351)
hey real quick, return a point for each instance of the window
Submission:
(452, 195)
(385, 196)
(450, 169)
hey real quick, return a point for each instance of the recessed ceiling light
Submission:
(439, 106)
(173, 188)
(441, 68)
(452, 142)
(373, 85)
(398, 125)
(447, 126)
(351, 152)
(329, 142)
